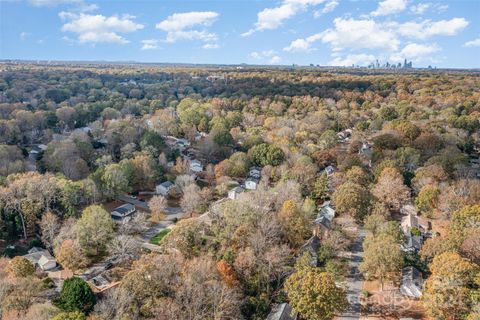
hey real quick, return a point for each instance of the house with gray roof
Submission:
(122, 212)
(282, 311)
(164, 188)
(412, 282)
(41, 258)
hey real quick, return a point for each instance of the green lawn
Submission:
(159, 236)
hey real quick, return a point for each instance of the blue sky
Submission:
(325, 32)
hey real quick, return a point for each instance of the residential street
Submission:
(355, 280)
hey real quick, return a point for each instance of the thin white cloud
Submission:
(211, 46)
(427, 28)
(472, 43)
(304, 45)
(329, 7)
(98, 28)
(416, 52)
(420, 8)
(184, 26)
(388, 7)
(149, 44)
(441, 8)
(267, 57)
(353, 59)
(24, 35)
(272, 18)
(181, 21)
(74, 5)
(203, 35)
(52, 3)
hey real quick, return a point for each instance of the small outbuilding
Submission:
(251, 183)
(235, 192)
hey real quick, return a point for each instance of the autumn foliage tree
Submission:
(314, 294)
(228, 273)
(352, 198)
(383, 258)
(94, 229)
(390, 189)
(71, 255)
(448, 293)
(21, 267)
(295, 224)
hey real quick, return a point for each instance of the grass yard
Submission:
(159, 236)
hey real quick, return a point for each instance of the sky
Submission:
(282, 32)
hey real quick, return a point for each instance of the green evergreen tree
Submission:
(76, 295)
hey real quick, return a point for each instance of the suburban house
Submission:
(413, 221)
(196, 166)
(344, 135)
(199, 136)
(164, 188)
(251, 183)
(235, 192)
(120, 213)
(282, 311)
(329, 170)
(365, 150)
(182, 143)
(412, 282)
(255, 172)
(41, 258)
(323, 222)
(213, 78)
(412, 243)
(36, 151)
(408, 222)
(312, 246)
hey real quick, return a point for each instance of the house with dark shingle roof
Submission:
(122, 212)
(282, 311)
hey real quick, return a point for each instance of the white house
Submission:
(329, 170)
(164, 188)
(41, 258)
(412, 282)
(196, 166)
(235, 192)
(251, 183)
(120, 213)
